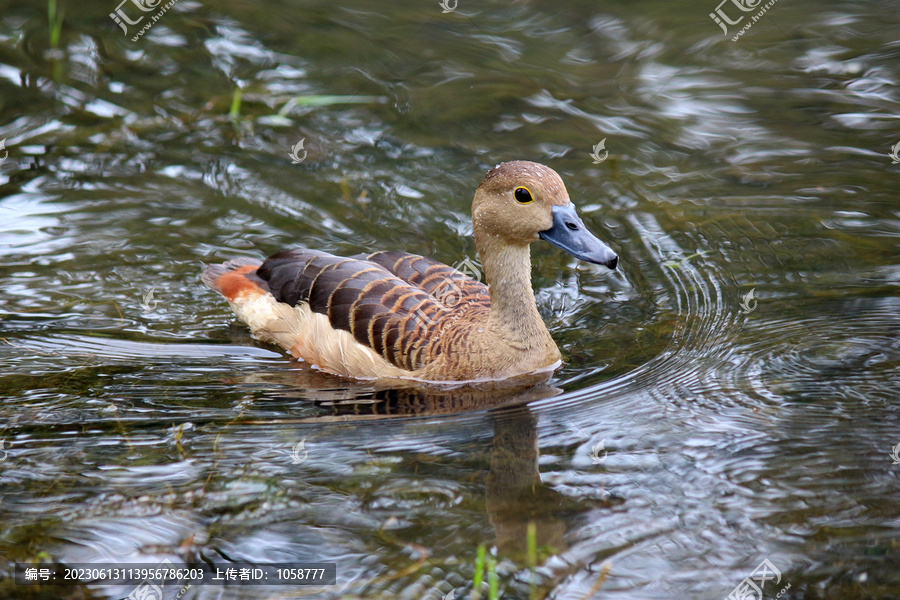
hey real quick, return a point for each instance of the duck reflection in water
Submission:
(515, 495)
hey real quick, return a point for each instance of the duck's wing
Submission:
(452, 287)
(393, 317)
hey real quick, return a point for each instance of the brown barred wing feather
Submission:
(453, 288)
(382, 311)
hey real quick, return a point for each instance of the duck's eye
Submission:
(523, 195)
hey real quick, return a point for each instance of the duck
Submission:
(394, 315)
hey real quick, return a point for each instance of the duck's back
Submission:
(385, 314)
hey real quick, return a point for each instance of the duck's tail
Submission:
(235, 278)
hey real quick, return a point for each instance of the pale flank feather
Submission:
(310, 337)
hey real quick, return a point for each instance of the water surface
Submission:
(693, 431)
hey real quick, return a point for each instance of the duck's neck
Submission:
(514, 314)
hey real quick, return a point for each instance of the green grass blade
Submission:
(479, 572)
(493, 581)
(55, 19)
(532, 559)
(235, 113)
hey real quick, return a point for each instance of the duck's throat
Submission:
(514, 314)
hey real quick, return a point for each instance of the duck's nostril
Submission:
(572, 226)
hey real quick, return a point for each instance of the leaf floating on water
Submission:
(677, 263)
(275, 121)
(604, 572)
(314, 100)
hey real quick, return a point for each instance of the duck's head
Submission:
(520, 202)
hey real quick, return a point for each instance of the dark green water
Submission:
(730, 435)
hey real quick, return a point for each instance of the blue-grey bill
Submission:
(570, 234)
